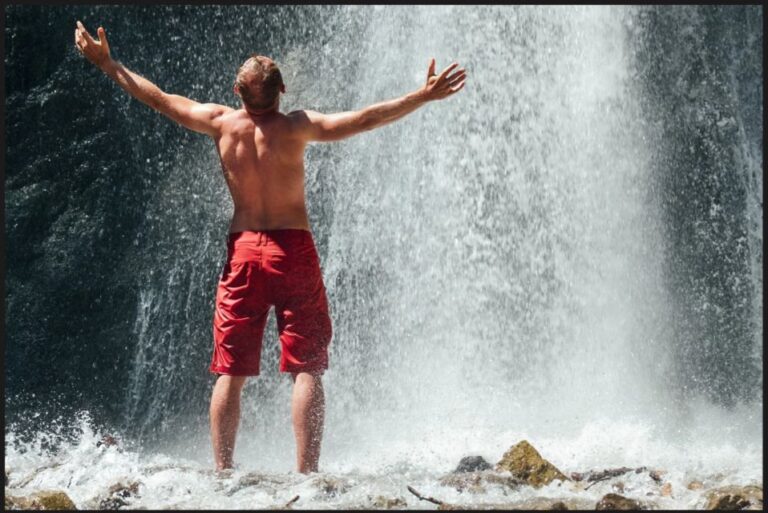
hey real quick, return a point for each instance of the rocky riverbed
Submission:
(522, 478)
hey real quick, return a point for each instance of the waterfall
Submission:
(568, 250)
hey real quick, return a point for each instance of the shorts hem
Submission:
(304, 368)
(232, 372)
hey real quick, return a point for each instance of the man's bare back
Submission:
(262, 157)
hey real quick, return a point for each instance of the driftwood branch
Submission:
(598, 480)
(424, 498)
(291, 502)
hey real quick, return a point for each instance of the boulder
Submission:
(42, 500)
(616, 501)
(472, 464)
(735, 498)
(525, 462)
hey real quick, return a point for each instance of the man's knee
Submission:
(315, 375)
(230, 383)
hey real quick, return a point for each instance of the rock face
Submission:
(525, 462)
(735, 498)
(616, 501)
(43, 500)
(472, 464)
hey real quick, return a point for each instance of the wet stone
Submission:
(525, 462)
(472, 464)
(476, 482)
(616, 501)
(331, 486)
(381, 502)
(735, 498)
(118, 495)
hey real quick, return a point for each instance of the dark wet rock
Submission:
(735, 498)
(119, 495)
(381, 502)
(472, 464)
(525, 462)
(475, 482)
(656, 475)
(42, 500)
(616, 501)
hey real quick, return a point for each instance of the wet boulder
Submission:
(472, 464)
(616, 501)
(525, 463)
(735, 498)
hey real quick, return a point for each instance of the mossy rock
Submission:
(43, 500)
(525, 462)
(733, 498)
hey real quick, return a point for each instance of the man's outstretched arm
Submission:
(200, 117)
(315, 126)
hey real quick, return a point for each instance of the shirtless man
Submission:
(272, 259)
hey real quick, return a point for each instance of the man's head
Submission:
(259, 83)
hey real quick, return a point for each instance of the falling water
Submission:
(497, 265)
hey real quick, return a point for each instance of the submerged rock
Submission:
(118, 495)
(735, 498)
(616, 501)
(42, 500)
(331, 486)
(475, 482)
(534, 504)
(381, 502)
(525, 462)
(695, 485)
(472, 464)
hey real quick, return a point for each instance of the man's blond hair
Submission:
(258, 82)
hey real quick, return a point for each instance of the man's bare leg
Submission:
(225, 416)
(308, 410)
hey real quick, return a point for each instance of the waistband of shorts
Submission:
(281, 237)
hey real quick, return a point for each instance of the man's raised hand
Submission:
(95, 51)
(446, 83)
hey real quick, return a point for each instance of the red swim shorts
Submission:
(266, 268)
